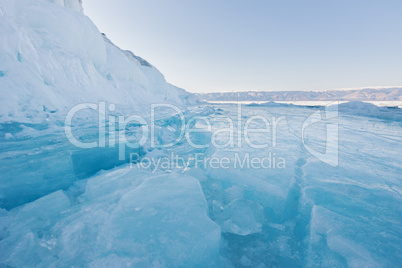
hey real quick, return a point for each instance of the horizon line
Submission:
(317, 90)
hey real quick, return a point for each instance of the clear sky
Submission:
(233, 45)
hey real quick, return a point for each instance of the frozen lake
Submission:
(315, 187)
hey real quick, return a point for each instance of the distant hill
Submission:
(365, 94)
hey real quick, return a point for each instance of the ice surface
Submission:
(125, 216)
(368, 109)
(165, 217)
(242, 217)
(305, 214)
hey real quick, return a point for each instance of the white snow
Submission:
(52, 58)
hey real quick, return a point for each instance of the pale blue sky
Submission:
(226, 45)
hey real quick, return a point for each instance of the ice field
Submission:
(303, 213)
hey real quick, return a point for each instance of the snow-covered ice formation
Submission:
(53, 58)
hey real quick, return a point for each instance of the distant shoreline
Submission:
(313, 103)
(366, 94)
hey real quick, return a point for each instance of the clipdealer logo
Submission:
(327, 116)
(113, 132)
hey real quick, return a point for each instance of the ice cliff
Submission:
(53, 57)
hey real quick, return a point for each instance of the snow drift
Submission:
(53, 57)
